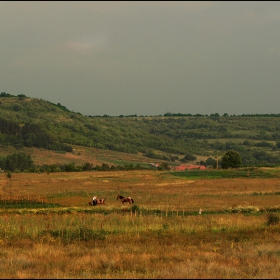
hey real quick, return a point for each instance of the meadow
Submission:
(48, 230)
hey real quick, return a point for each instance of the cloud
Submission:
(87, 44)
(142, 57)
(79, 46)
(274, 50)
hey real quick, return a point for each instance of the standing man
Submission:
(94, 200)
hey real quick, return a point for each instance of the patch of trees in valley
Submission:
(31, 122)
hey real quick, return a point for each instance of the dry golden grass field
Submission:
(48, 230)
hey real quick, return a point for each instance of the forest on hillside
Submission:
(31, 122)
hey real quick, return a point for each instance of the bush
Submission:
(231, 159)
(188, 157)
(9, 174)
(243, 209)
(135, 208)
(272, 219)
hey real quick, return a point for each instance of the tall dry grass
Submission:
(128, 246)
(79, 241)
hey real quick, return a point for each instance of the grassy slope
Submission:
(80, 156)
(131, 132)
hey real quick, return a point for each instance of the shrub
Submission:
(135, 208)
(272, 219)
(243, 209)
(9, 174)
(231, 159)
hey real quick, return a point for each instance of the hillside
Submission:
(51, 133)
(79, 156)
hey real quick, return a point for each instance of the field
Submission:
(48, 230)
(79, 156)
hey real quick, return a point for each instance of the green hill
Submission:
(31, 124)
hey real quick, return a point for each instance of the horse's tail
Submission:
(132, 200)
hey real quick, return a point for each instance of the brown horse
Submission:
(125, 199)
(99, 201)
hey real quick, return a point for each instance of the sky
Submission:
(145, 58)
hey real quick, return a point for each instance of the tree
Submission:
(247, 143)
(20, 161)
(210, 162)
(231, 159)
(87, 166)
(164, 166)
(188, 157)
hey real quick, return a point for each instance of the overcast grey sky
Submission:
(144, 58)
